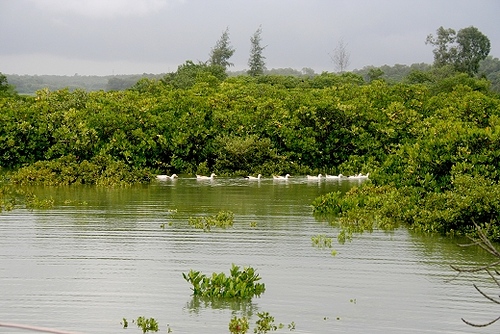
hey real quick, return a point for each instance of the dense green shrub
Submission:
(420, 140)
(101, 171)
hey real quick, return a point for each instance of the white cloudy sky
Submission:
(103, 37)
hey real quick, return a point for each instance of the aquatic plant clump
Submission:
(223, 219)
(321, 241)
(240, 284)
(238, 325)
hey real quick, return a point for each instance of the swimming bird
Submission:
(279, 177)
(166, 177)
(203, 177)
(310, 177)
(334, 176)
(250, 177)
(359, 176)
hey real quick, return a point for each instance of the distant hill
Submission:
(29, 84)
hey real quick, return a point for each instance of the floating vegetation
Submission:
(33, 202)
(321, 241)
(74, 202)
(264, 324)
(223, 219)
(7, 198)
(240, 284)
(238, 325)
(145, 324)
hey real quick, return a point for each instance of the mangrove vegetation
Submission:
(430, 142)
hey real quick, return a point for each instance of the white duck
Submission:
(279, 177)
(340, 176)
(203, 177)
(359, 176)
(166, 177)
(312, 177)
(250, 177)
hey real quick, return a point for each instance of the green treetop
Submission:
(222, 51)
(463, 50)
(256, 62)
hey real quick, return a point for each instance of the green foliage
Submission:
(100, 171)
(241, 284)
(33, 202)
(5, 88)
(256, 62)
(365, 208)
(189, 73)
(238, 325)
(8, 197)
(321, 241)
(419, 139)
(265, 323)
(223, 219)
(464, 50)
(489, 68)
(246, 154)
(222, 51)
(147, 324)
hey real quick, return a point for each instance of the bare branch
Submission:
(483, 242)
(340, 56)
(485, 295)
(480, 325)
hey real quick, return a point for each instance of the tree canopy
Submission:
(463, 50)
(5, 88)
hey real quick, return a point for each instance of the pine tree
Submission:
(222, 51)
(256, 62)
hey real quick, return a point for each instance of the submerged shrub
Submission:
(240, 284)
(238, 325)
(365, 208)
(100, 170)
(222, 219)
(147, 324)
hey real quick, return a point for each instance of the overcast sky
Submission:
(103, 37)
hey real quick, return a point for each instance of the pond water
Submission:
(101, 255)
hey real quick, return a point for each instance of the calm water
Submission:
(102, 255)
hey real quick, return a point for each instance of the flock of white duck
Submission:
(276, 177)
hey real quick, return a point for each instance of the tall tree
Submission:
(463, 50)
(222, 51)
(5, 88)
(256, 61)
(341, 57)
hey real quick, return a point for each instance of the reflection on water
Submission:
(104, 254)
